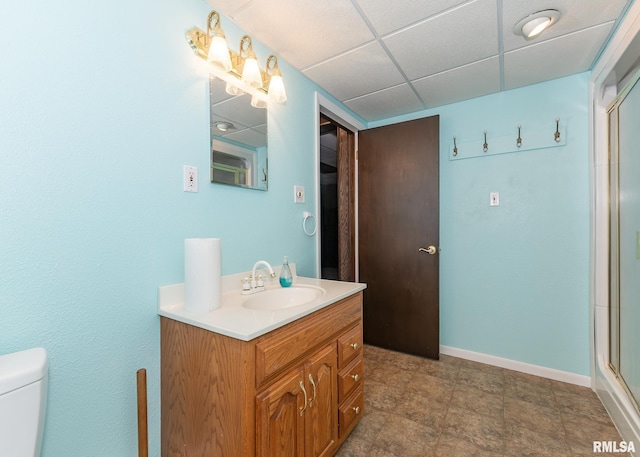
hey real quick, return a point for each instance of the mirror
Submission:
(238, 139)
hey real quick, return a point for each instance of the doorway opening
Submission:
(337, 201)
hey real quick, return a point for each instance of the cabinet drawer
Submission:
(351, 411)
(350, 377)
(285, 345)
(349, 346)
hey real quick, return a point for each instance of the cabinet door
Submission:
(280, 414)
(322, 413)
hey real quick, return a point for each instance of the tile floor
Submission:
(417, 407)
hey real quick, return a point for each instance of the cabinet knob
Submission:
(356, 409)
(355, 377)
(355, 346)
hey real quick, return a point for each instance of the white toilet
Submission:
(23, 397)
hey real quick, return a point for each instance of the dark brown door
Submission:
(398, 215)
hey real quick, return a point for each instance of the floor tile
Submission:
(458, 408)
(479, 401)
(406, 438)
(454, 446)
(525, 442)
(541, 419)
(484, 432)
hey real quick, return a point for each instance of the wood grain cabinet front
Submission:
(294, 392)
(296, 416)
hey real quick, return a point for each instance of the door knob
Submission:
(431, 250)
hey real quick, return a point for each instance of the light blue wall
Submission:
(514, 279)
(101, 105)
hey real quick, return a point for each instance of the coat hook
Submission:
(485, 146)
(519, 140)
(455, 148)
(556, 136)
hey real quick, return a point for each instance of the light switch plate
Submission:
(190, 179)
(298, 194)
(494, 199)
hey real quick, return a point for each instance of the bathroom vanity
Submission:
(282, 382)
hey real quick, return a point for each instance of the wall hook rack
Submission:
(502, 141)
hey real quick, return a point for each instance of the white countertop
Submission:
(236, 321)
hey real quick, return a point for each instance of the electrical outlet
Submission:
(494, 199)
(298, 194)
(190, 179)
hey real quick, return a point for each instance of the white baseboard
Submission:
(536, 370)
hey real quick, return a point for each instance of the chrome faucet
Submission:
(254, 283)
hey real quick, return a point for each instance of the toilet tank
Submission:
(23, 395)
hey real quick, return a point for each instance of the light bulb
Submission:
(258, 102)
(251, 72)
(276, 89)
(219, 52)
(232, 89)
(535, 26)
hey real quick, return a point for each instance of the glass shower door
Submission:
(624, 122)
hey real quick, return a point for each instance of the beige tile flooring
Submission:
(454, 407)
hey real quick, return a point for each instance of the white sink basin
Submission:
(275, 299)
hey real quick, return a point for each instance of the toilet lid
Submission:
(22, 368)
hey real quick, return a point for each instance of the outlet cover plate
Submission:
(298, 194)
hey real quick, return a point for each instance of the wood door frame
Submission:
(331, 110)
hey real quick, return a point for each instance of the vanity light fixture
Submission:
(240, 71)
(276, 85)
(218, 50)
(534, 24)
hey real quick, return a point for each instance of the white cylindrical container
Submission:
(202, 273)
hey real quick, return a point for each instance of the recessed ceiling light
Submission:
(224, 126)
(532, 25)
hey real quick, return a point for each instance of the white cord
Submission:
(308, 215)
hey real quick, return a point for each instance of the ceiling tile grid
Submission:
(462, 83)
(386, 103)
(461, 36)
(364, 70)
(575, 15)
(562, 56)
(388, 16)
(384, 58)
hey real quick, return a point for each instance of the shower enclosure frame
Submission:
(613, 70)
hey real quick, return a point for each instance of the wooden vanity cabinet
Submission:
(294, 392)
(297, 415)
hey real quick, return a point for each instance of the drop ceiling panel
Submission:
(305, 32)
(387, 16)
(556, 58)
(462, 83)
(355, 49)
(575, 15)
(239, 108)
(248, 137)
(386, 103)
(463, 35)
(367, 69)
